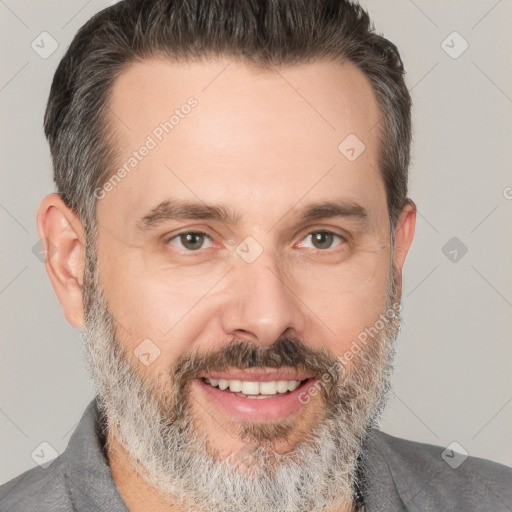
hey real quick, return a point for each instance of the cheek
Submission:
(171, 320)
(170, 315)
(343, 316)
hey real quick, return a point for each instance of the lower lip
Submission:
(253, 409)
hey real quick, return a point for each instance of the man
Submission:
(229, 234)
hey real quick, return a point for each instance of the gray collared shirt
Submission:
(399, 475)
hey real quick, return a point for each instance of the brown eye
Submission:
(190, 241)
(322, 240)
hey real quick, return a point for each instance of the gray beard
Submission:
(168, 450)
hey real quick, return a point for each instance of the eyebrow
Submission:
(180, 210)
(169, 210)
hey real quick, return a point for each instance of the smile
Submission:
(255, 400)
(251, 389)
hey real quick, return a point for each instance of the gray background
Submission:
(453, 380)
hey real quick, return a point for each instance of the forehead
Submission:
(259, 141)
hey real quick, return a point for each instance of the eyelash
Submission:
(188, 251)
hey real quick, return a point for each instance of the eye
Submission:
(322, 240)
(191, 240)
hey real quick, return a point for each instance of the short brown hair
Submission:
(265, 33)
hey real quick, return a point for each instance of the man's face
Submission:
(243, 225)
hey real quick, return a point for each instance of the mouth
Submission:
(259, 399)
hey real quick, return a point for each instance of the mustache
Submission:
(286, 352)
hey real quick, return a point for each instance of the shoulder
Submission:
(78, 479)
(435, 476)
(37, 489)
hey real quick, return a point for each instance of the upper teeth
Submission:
(255, 388)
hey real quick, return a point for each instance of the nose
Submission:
(261, 306)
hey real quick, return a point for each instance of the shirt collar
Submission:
(377, 484)
(88, 475)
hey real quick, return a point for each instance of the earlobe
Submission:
(63, 237)
(404, 234)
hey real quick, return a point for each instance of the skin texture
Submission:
(263, 145)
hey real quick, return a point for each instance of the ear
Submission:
(404, 234)
(63, 238)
